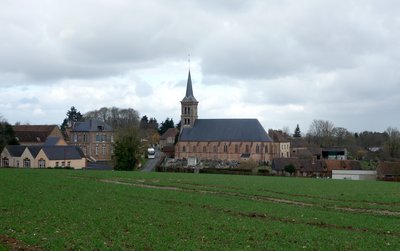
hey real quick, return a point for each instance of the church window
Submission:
(266, 149)
(194, 149)
(184, 149)
(188, 110)
(257, 149)
(185, 110)
(188, 122)
(225, 148)
(215, 149)
(236, 148)
(204, 149)
(247, 149)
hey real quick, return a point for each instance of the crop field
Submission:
(107, 210)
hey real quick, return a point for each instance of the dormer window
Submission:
(100, 128)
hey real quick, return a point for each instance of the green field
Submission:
(89, 210)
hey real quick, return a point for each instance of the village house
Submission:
(168, 137)
(42, 156)
(219, 139)
(94, 137)
(280, 145)
(389, 171)
(29, 135)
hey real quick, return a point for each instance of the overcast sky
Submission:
(283, 62)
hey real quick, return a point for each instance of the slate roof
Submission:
(91, 125)
(51, 141)
(63, 152)
(34, 150)
(189, 97)
(15, 150)
(225, 130)
(33, 133)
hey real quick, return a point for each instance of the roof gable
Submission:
(225, 130)
(171, 132)
(15, 150)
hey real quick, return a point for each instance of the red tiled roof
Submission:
(388, 169)
(33, 133)
(171, 132)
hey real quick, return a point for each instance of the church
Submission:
(219, 139)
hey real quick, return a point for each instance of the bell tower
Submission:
(188, 106)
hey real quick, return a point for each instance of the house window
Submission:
(112, 138)
(27, 163)
(104, 138)
(236, 148)
(5, 162)
(75, 137)
(42, 163)
(97, 137)
(84, 137)
(17, 163)
(97, 150)
(184, 149)
(111, 150)
(103, 150)
(257, 149)
(62, 163)
(69, 163)
(204, 149)
(56, 163)
(215, 149)
(225, 148)
(247, 149)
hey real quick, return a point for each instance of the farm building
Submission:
(354, 174)
(389, 171)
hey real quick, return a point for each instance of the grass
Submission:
(67, 209)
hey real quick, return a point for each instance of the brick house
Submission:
(219, 139)
(94, 137)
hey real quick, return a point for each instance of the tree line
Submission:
(324, 133)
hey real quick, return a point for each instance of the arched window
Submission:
(204, 149)
(215, 149)
(257, 149)
(184, 149)
(188, 110)
(236, 148)
(225, 148)
(247, 149)
(42, 163)
(266, 149)
(5, 162)
(194, 149)
(27, 163)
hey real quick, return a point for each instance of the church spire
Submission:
(189, 90)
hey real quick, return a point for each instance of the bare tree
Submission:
(393, 142)
(321, 132)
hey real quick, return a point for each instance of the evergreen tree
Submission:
(165, 125)
(297, 132)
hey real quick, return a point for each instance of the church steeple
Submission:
(188, 106)
(189, 90)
